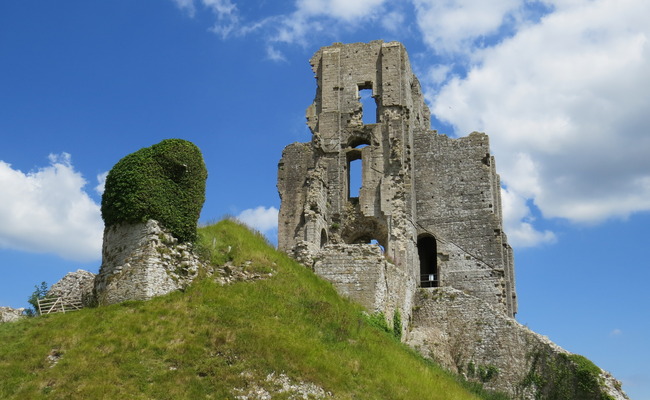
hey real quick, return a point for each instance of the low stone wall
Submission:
(8, 314)
(470, 337)
(141, 261)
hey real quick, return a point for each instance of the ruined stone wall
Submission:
(459, 201)
(75, 285)
(141, 261)
(414, 182)
(314, 182)
(8, 314)
(469, 336)
(428, 214)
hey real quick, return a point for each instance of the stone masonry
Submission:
(8, 314)
(74, 285)
(423, 235)
(141, 261)
(421, 194)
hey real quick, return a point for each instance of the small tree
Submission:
(38, 294)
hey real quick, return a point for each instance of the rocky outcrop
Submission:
(470, 337)
(141, 261)
(8, 314)
(74, 285)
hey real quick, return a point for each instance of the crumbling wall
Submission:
(75, 285)
(8, 314)
(414, 181)
(318, 206)
(471, 337)
(141, 261)
(459, 201)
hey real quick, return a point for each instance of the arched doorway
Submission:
(428, 253)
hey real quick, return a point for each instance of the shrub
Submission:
(39, 293)
(165, 182)
(397, 325)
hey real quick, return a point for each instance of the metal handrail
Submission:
(428, 280)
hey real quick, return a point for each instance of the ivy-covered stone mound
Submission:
(165, 182)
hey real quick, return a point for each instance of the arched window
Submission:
(428, 253)
(323, 238)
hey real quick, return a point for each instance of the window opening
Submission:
(368, 105)
(428, 253)
(323, 238)
(376, 243)
(355, 172)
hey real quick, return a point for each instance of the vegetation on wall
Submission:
(165, 182)
(563, 376)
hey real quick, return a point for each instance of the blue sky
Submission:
(560, 87)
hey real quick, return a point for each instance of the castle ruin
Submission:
(402, 219)
(430, 204)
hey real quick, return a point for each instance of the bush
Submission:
(165, 182)
(39, 294)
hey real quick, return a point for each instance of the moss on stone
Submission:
(165, 182)
(564, 376)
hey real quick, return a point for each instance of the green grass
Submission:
(206, 341)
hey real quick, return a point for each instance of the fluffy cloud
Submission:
(565, 104)
(454, 26)
(47, 211)
(518, 222)
(101, 183)
(341, 9)
(261, 218)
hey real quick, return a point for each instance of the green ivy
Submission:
(397, 325)
(165, 182)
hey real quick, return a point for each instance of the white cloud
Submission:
(101, 183)
(393, 21)
(274, 54)
(187, 5)
(452, 26)
(518, 222)
(261, 218)
(225, 11)
(565, 104)
(342, 9)
(47, 211)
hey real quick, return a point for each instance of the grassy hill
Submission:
(219, 342)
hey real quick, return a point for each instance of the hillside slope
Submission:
(286, 334)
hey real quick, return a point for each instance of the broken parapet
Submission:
(141, 261)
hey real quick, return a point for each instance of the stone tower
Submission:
(428, 210)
